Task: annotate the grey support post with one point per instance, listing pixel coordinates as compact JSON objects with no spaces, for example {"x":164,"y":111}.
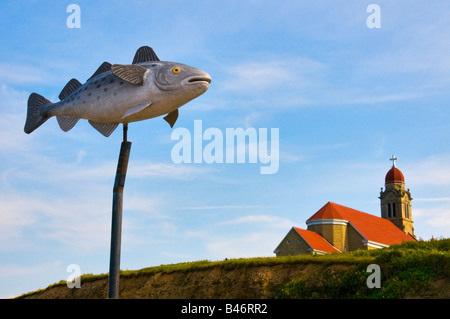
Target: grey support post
{"x":116,"y":224}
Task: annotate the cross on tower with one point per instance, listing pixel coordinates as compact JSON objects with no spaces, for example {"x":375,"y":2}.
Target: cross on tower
{"x":393,"y":159}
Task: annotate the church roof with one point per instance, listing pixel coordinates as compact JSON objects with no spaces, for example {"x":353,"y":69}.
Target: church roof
{"x":394,"y":176}
{"x":372,"y":228}
{"x":315,"y":241}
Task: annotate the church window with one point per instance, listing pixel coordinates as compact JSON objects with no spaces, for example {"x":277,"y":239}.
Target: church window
{"x":389,"y":210}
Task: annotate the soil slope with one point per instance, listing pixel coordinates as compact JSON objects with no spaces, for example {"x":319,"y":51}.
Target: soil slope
{"x":243,"y":282}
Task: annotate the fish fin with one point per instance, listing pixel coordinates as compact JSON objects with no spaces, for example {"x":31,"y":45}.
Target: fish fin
{"x":130,"y":73}
{"x":66,"y":123}
{"x":105,"y":67}
{"x":172,"y":117}
{"x":145,"y":54}
{"x":35,"y":117}
{"x":70,"y":87}
{"x":105,"y":128}
{"x":135,"y":109}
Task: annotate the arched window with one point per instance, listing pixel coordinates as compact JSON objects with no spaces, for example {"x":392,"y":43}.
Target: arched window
{"x":389,"y":210}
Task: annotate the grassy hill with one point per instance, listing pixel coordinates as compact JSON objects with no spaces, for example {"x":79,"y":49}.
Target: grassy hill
{"x":412,"y":270}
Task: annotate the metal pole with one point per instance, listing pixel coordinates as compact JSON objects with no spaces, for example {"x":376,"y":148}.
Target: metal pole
{"x":116,"y":224}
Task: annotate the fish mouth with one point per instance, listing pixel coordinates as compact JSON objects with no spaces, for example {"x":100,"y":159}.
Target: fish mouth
{"x":198,"y":79}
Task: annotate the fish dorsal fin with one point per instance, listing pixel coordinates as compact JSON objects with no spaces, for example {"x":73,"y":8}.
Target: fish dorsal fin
{"x":171,"y":118}
{"x":105,"y":67}
{"x":130,"y":73}
{"x":105,"y":128}
{"x":70,"y":87}
{"x":145,"y":54}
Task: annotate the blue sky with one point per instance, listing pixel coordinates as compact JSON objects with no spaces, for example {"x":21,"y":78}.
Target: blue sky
{"x":343,"y":96}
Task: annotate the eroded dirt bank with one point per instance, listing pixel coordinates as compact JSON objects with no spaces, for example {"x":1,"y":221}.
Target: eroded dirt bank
{"x":253,"y":282}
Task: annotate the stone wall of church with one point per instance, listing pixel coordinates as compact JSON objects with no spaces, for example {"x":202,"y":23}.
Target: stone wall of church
{"x":293,"y":244}
{"x":354,"y":239}
{"x":334,"y":234}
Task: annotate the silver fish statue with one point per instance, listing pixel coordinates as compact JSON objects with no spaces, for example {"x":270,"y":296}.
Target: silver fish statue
{"x":117,"y":93}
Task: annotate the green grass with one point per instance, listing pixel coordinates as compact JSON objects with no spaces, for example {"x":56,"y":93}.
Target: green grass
{"x":406,"y":268}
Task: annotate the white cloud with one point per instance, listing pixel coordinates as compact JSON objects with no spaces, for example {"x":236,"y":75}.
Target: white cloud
{"x":144,"y":169}
{"x":66,"y":202}
{"x":252,"y":244}
{"x":13,"y":105}
{"x":384,"y":97}
{"x":259,"y":237}
{"x":28,"y":276}
{"x":432,"y":199}
{"x":79,"y":222}
{"x":15,"y":270}
{"x":433,"y":170}
{"x":145,"y":205}
{"x":15,"y":214}
{"x":19,"y":74}
{"x":437,"y":217}
{"x":212,"y":207}
{"x":257,"y":76}
{"x":270,"y":221}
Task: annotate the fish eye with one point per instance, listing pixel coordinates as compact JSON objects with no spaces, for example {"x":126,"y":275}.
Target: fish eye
{"x":176,"y":70}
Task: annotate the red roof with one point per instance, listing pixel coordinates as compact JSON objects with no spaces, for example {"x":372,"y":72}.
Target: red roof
{"x":373,"y":228}
{"x":394,"y":176}
{"x":315,"y":241}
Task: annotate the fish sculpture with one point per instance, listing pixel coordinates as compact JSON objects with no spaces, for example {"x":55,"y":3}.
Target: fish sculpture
{"x":119,"y":93}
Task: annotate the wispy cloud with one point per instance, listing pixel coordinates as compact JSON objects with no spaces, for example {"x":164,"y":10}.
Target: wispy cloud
{"x":13,"y":113}
{"x":277,"y":74}
{"x":433,"y":170}
{"x":15,"y":216}
{"x":436,"y":217}
{"x":262,"y":234}
{"x":252,"y":244}
{"x":42,"y":273}
{"x":272,"y":221}
{"x":70,"y":202}
{"x":20,"y":74}
{"x":213,"y":207}
{"x":384,"y":97}
{"x":144,"y":169}
{"x":432,"y":199}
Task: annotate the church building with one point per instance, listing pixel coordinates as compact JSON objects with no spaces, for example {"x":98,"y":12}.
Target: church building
{"x":335,"y":228}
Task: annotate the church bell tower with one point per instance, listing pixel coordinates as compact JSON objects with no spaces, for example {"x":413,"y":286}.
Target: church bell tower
{"x":396,"y":200}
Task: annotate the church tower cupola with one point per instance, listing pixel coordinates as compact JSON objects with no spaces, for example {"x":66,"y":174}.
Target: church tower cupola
{"x":396,"y":200}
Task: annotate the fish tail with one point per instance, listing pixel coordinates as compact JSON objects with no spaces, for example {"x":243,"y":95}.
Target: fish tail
{"x":35,"y":115}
